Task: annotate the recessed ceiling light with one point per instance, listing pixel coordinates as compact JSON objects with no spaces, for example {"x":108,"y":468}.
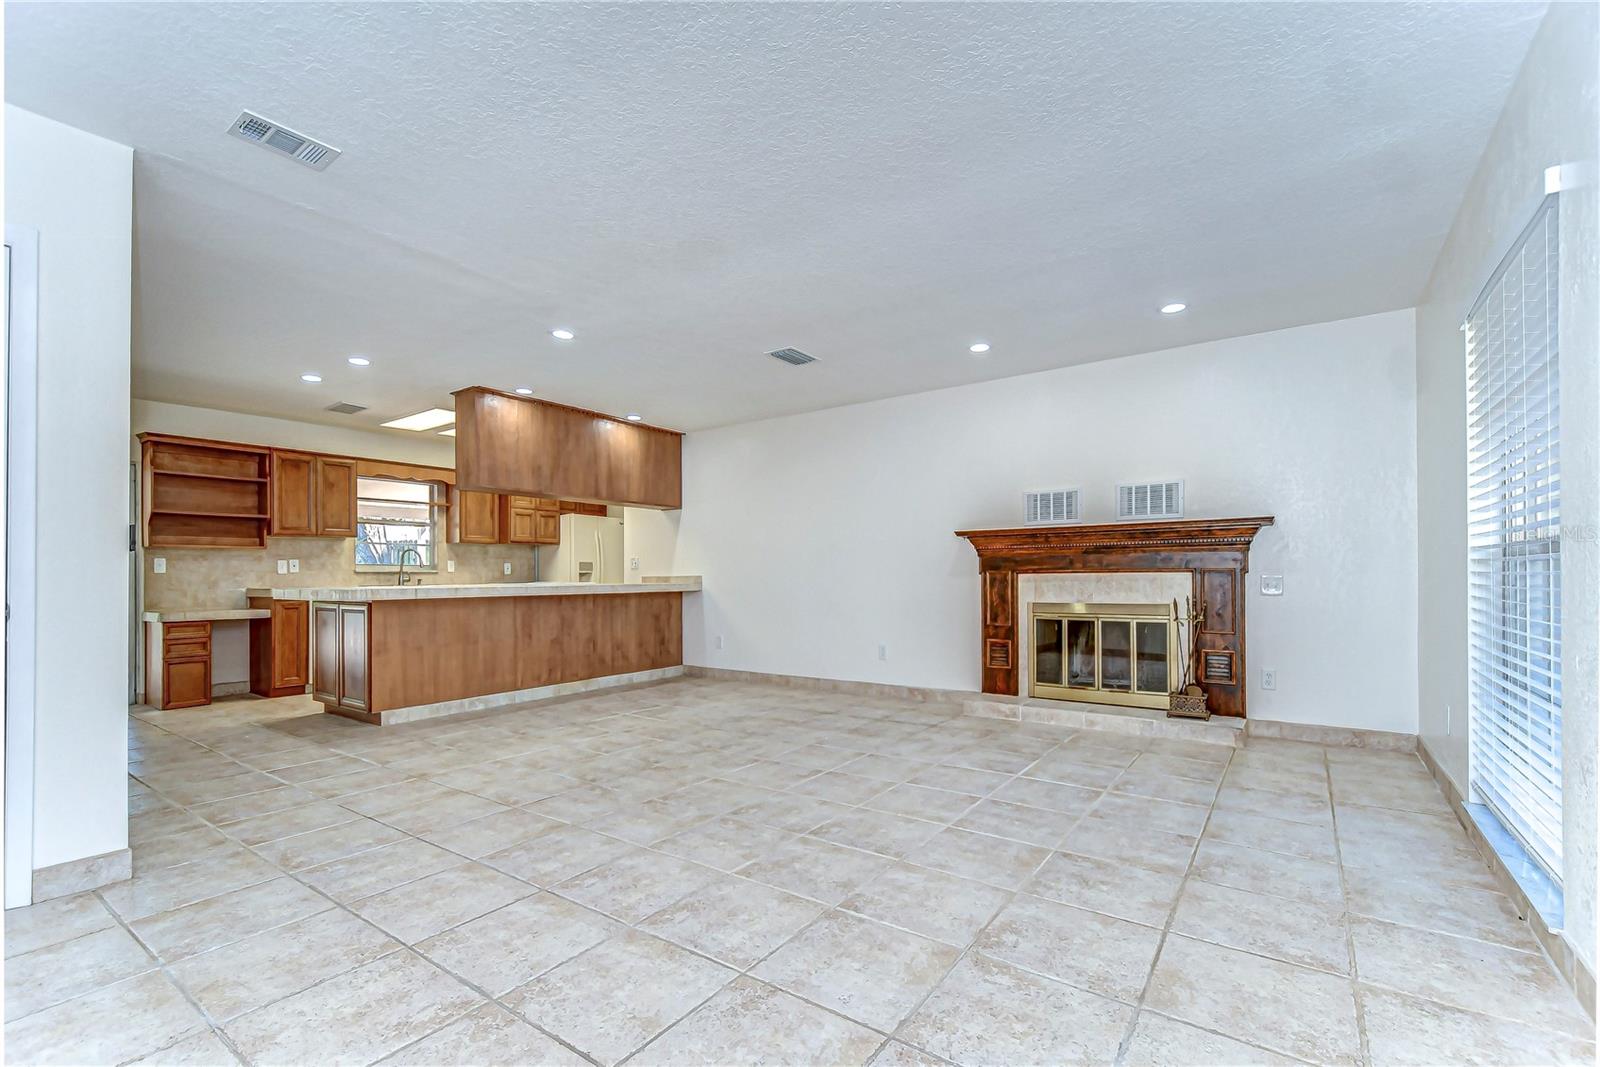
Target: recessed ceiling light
{"x":634,"y":416}
{"x":451,"y":432}
{"x":359,"y":361}
{"x":431,"y":419}
{"x":524,"y":391}
{"x":562,"y":335}
{"x":312,"y":378}
{"x":1172,"y":309}
{"x":980,"y":348}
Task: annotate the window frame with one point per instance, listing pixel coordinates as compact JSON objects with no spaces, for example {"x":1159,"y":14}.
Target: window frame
{"x":435,"y":496}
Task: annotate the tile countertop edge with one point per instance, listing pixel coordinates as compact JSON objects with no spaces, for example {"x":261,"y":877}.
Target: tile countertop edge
{"x":367,"y":593}
{"x":206,"y":615}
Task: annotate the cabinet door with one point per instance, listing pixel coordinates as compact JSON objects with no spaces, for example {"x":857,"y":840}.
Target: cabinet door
{"x":520,"y":526}
{"x":294,"y":495}
{"x":290,"y":656}
{"x":186,"y":683}
{"x":547,"y":527}
{"x":325,"y":683}
{"x":476,"y":518}
{"x":336,"y":497}
{"x":353,"y":656}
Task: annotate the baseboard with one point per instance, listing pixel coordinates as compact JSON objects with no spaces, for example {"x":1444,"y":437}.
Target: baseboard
{"x":1573,"y":970}
{"x":832,"y":685}
{"x":79,"y":876}
{"x":1337,"y":736}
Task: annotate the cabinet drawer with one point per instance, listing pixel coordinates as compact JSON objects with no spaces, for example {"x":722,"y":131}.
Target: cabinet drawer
{"x":187,"y":631}
{"x":176,"y":650}
{"x":526,"y":502}
{"x":544,"y":503}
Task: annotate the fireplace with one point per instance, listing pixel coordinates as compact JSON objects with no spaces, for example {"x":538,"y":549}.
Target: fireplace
{"x":1122,"y":654}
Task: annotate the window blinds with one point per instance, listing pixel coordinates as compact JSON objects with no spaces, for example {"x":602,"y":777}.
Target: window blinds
{"x":1514,"y":541}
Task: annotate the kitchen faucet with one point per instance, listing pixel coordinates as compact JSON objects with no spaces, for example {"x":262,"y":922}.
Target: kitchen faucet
{"x":401,"y":578}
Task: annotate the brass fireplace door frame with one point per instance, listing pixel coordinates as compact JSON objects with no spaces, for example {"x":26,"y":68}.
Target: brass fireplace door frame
{"x":1130,"y":613}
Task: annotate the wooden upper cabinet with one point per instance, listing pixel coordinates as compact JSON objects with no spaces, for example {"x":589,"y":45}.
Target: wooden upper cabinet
{"x":294,"y":494}
{"x":474,"y":518}
{"x":512,"y":444}
{"x":336,"y":497}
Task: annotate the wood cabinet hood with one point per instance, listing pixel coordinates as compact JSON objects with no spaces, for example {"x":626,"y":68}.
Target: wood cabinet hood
{"x":516,"y":444}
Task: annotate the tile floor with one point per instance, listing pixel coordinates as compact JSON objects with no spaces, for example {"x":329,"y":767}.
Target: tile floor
{"x":719,"y":873}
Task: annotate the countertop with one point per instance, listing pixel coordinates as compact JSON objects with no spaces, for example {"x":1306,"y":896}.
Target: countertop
{"x":368,"y":593}
{"x":207,"y":615}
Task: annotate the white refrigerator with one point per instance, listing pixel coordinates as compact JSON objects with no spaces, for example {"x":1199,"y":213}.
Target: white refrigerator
{"x":590,"y":550}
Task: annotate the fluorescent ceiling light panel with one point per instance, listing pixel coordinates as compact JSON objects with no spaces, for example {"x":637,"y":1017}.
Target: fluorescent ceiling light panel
{"x":431,"y":419}
{"x":451,"y":432}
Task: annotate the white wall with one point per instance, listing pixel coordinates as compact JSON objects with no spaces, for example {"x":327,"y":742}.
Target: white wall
{"x":1549,"y":118}
{"x":821,"y":536}
{"x":153,"y":416}
{"x":77,"y":191}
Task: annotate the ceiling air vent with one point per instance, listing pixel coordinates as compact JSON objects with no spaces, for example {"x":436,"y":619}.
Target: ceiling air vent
{"x":792,"y":356}
{"x":1150,"y":500}
{"x":1050,"y":506}
{"x":297,"y":146}
{"x":344,"y":407}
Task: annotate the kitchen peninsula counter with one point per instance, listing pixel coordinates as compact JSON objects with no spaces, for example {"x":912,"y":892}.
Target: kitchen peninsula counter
{"x":392,"y":654}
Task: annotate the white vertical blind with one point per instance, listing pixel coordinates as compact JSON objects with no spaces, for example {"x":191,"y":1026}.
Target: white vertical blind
{"x":1514,"y":541}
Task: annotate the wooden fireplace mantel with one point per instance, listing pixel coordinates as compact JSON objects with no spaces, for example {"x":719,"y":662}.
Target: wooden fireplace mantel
{"x":1215,"y":552}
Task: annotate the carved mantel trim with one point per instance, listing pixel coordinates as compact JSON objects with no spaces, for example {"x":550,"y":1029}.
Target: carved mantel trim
{"x":1215,"y":552}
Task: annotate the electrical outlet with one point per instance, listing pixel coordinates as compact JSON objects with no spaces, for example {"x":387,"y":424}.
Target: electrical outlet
{"x":508,"y":568}
{"x":283,"y":566}
{"x":1272,"y":585}
{"x":450,"y":565}
{"x":294,"y":566}
{"x":1269,"y":679}
{"x":159,"y":564}
{"x":633,"y":563}
{"x":883,"y":652}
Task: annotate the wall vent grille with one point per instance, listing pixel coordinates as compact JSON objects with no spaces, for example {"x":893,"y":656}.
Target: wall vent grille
{"x":286,"y":142}
{"x":1049,"y":506}
{"x":1150,"y":500}
{"x":792,"y":356}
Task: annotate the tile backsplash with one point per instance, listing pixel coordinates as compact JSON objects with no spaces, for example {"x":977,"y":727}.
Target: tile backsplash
{"x":198,"y":578}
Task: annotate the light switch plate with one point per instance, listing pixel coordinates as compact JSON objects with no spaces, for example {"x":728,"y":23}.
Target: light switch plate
{"x":159,"y":564}
{"x":633,"y":563}
{"x":508,"y":568}
{"x":294,"y":566}
{"x":283,"y":566}
{"x":450,"y":565}
{"x":1272,"y":585}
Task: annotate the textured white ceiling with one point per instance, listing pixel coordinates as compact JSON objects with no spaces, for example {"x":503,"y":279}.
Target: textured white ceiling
{"x":688,"y":186}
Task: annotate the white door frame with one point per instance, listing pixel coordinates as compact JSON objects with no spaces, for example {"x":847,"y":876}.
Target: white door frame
{"x":18,"y":507}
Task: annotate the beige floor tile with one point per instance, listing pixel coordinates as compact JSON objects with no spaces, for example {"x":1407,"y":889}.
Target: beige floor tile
{"x":557,"y":855}
{"x":1311,"y":935}
{"x":1148,"y":782}
{"x":1273,"y":835}
{"x":618,"y":995}
{"x":1309,"y":781}
{"x":1065,"y":767}
{"x":172,"y":887}
{"x":329,"y":843}
{"x":1483,"y":914}
{"x":995,"y":860}
{"x":840,"y":787}
{"x":260,"y":829}
{"x":1463,"y":973}
{"x":960,"y":779}
{"x":355,"y":783}
{"x":281,"y":798}
{"x":1150,"y":813}
{"x":923,"y":802}
{"x":209,"y":923}
{"x":1122,"y":842}
{"x":507,"y":783}
{"x":1161,"y":1042}
{"x":1290,"y":807}
{"x":489,"y":1034}
{"x":204,"y":1049}
{"x":113,"y":1024}
{"x":150,"y":825}
{"x":750,"y":1022}
{"x":1387,"y":788}
{"x":50,"y":975}
{"x":1411,"y":1031}
{"x":1272,"y":873}
{"x":790,"y":811}
{"x":635,"y":884}
{"x":328,"y":767}
{"x":479,"y":837}
{"x":1111,"y":888}
{"x":1020,"y":822}
{"x":201,"y":790}
{"x":54,"y":921}
{"x":928,"y":902}
{"x":506,"y":948}
{"x":439,"y":812}
{"x":1209,"y":770}
{"x":900,"y":1054}
{"x":872,"y":973}
{"x":277,"y":963}
{"x":816,"y":869}
{"x":185,"y":846}
{"x":378,"y":869}
{"x":877,"y":831}
{"x":431,"y":905}
{"x":1277,"y":1006}
{"x":1086,"y":949}
{"x":987,"y":1012}
{"x":885,"y":768}
{"x":724,"y":842}
{"x":732,"y":920}
{"x":376,"y":1009}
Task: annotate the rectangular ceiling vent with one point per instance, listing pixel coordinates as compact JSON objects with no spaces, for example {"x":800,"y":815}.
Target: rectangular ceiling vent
{"x":1150,"y":500}
{"x":792,"y":356}
{"x":344,"y":407}
{"x":1048,"y":506}
{"x":297,"y":146}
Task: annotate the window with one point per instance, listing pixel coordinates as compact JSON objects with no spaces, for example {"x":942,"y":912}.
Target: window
{"x":394,"y":517}
{"x":1514,"y":542}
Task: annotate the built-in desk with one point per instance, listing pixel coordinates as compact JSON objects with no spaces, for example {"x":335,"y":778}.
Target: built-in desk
{"x":177,"y":648}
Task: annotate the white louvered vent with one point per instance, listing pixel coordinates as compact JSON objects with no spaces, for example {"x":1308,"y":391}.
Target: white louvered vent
{"x":297,"y":146}
{"x":1050,"y":506}
{"x":1150,"y":500}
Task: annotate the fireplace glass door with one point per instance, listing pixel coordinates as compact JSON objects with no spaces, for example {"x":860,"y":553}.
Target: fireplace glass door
{"x":1104,"y":653}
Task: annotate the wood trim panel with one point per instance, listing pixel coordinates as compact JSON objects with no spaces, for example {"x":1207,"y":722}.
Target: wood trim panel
{"x":1214,"y":551}
{"x":280,"y":648}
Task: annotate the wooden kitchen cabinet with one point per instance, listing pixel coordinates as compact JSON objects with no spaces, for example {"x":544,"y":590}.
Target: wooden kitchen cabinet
{"x":518,"y":520}
{"x":341,"y":641}
{"x":294,"y":494}
{"x":203,"y":494}
{"x":185,"y":665}
{"x":547,"y":527}
{"x":474,"y":518}
{"x":280,"y":648}
{"x":336,"y":497}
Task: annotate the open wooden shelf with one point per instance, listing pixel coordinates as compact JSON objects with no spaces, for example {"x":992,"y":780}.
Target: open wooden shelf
{"x":207,"y":514}
{"x":209,"y":477}
{"x":204,"y":494}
